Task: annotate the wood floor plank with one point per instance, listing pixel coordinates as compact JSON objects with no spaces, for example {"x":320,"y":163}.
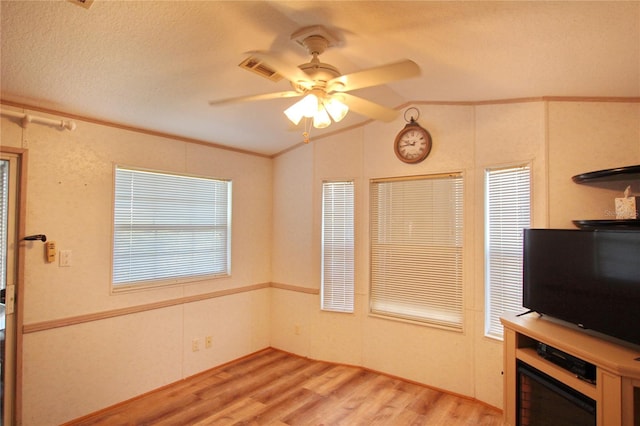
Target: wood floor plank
{"x":369,"y":400}
{"x":279,"y":410}
{"x":257,"y":363}
{"x":396,"y":404}
{"x":241,"y":410}
{"x":404,"y":417}
{"x":441,"y":411}
{"x":311,"y":412}
{"x":425,"y":401}
{"x":279,"y":389}
{"x":332,"y":380}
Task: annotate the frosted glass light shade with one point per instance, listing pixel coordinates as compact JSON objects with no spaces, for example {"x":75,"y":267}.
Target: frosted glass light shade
{"x":336,"y":109}
{"x":293,"y":114}
{"x":305,"y":107}
{"x":321,"y":119}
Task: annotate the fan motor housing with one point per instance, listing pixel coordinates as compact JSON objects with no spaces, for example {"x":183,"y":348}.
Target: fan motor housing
{"x":320,"y":71}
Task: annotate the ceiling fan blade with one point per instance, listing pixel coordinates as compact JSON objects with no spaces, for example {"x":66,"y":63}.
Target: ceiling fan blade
{"x":288,"y":71}
{"x":375,"y":76}
{"x":368,"y":108}
{"x":251,"y":98}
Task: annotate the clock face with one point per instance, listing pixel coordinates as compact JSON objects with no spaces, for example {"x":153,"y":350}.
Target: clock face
{"x":413,"y":144}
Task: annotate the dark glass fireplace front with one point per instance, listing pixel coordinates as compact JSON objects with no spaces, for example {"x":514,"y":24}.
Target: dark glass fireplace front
{"x":544,"y":401}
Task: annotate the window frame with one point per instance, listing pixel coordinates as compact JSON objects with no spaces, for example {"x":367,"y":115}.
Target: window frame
{"x":436,"y":278}
{"x":492,"y":326}
{"x":224,"y":191}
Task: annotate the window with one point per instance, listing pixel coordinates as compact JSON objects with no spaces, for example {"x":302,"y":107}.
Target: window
{"x":507,"y":212}
{"x":337,"y":247}
{"x":4,"y":217}
{"x":169,"y":228}
{"x":416,"y":249}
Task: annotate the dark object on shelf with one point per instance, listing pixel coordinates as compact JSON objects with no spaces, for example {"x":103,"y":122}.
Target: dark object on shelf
{"x":619,"y":173}
{"x":39,"y":237}
{"x":608,"y":224}
{"x":582,"y":369}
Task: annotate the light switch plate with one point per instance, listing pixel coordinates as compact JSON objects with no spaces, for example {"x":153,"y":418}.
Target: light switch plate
{"x":65,"y":258}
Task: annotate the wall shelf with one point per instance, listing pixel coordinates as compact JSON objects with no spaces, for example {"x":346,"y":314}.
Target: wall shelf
{"x":619,"y":173}
{"x":608,"y":224}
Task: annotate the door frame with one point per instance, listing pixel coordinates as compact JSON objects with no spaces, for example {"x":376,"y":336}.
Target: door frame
{"x":21,"y":202}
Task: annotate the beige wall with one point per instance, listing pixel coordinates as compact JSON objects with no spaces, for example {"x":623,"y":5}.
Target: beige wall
{"x":467,"y":139}
{"x":73,"y":370}
{"x":586,"y":136}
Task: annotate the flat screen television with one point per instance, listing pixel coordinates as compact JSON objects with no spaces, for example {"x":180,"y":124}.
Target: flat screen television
{"x":590,"y":278}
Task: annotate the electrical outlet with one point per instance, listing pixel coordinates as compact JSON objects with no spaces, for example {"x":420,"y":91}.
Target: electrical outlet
{"x":296,"y":329}
{"x":195,"y":345}
{"x":208,"y":342}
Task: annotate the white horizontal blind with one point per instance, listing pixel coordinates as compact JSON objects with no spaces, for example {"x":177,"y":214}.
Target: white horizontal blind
{"x":169,"y":227}
{"x":508,"y":212}
{"x":416,"y":249}
{"x":337,"y":246}
{"x":4,"y":210}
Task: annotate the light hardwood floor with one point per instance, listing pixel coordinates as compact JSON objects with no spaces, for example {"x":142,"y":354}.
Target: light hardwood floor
{"x":276,"y":388}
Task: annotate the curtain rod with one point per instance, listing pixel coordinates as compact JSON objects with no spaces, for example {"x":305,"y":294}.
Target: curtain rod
{"x":28,"y":118}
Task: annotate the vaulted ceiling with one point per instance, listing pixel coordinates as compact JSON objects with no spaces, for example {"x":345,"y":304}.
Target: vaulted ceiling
{"x":155,"y":65}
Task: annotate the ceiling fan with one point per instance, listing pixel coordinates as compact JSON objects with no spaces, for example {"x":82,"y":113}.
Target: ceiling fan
{"x":323,"y":89}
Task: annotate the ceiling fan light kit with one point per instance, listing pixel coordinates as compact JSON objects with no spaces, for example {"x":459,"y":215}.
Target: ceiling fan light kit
{"x":322,"y":87}
{"x":318,"y":106}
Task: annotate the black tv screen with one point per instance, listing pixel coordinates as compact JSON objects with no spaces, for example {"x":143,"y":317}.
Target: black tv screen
{"x":590,"y":278}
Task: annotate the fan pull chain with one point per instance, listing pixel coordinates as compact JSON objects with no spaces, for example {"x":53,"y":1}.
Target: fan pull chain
{"x":307,"y":129}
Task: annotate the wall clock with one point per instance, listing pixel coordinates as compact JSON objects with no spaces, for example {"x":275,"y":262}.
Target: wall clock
{"x":413,"y":142}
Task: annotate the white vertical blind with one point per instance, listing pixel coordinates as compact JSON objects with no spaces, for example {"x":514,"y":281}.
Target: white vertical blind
{"x":508,"y":212}
{"x":337,"y":246}
{"x":169,"y":227}
{"x":416,"y":249}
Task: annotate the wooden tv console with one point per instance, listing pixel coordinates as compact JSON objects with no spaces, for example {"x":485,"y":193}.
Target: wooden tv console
{"x":617,"y":387}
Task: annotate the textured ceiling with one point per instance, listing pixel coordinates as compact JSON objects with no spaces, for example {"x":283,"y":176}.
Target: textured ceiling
{"x":155,"y":64}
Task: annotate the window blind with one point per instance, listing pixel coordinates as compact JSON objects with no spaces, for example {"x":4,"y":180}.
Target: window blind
{"x":169,"y":227}
{"x":508,"y":212}
{"x":4,"y":210}
{"x":416,"y":249}
{"x":337,"y":246}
